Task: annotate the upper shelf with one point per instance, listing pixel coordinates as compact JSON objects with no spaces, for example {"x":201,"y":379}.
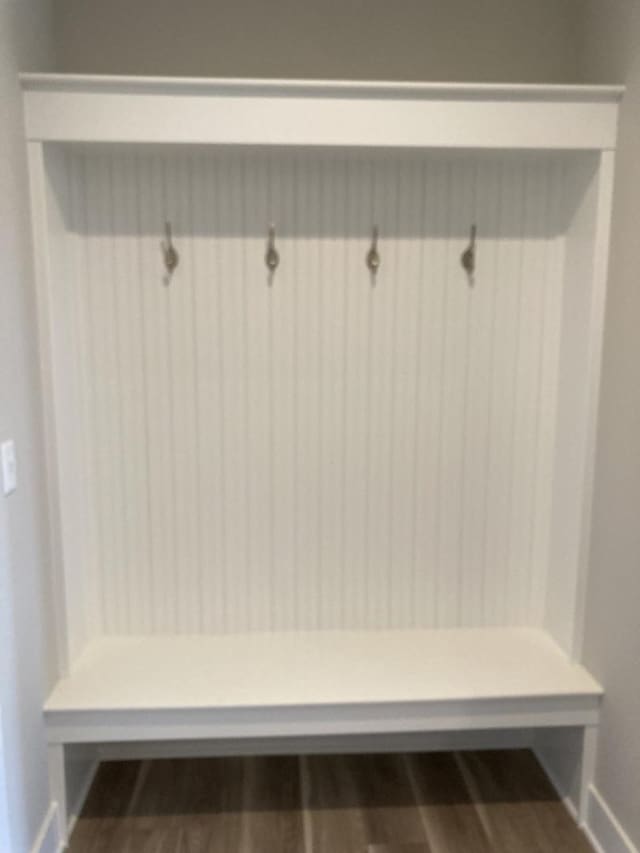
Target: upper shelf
{"x":71,"y":108}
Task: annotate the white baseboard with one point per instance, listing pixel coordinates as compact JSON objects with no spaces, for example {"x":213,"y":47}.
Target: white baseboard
{"x":48,"y":839}
{"x":603,"y":828}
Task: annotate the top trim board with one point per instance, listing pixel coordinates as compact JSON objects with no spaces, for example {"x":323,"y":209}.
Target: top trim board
{"x":72,"y":108}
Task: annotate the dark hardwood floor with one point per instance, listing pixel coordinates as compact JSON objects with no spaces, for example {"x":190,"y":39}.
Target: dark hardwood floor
{"x":472,"y":802}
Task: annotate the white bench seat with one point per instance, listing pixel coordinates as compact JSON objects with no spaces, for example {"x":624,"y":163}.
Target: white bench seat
{"x":310,"y":684}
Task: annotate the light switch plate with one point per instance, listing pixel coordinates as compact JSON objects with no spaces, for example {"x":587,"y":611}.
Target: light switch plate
{"x":9,"y":472}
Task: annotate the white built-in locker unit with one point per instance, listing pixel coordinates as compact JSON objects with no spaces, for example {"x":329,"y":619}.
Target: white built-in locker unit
{"x":333,"y":499}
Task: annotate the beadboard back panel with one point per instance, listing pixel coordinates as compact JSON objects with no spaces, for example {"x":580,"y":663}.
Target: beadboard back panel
{"x":320,"y":449}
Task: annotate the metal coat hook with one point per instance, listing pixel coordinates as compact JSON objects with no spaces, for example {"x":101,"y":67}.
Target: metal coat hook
{"x":373,"y":255}
{"x":272,"y":257}
{"x":170,"y":254}
{"x":468,"y":258}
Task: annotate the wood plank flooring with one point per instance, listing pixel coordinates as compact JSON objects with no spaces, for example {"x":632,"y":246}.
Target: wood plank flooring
{"x":472,"y":802}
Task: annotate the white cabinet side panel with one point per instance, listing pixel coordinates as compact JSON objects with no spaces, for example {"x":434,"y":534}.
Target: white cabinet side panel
{"x":587,"y":252}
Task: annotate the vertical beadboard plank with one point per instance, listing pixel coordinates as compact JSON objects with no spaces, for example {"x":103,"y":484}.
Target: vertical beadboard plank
{"x":252,"y":557}
{"x":451,"y":294}
{"x":338,"y":616}
{"x":115,"y":288}
{"x":548,"y":399}
{"x":465,"y":214}
{"x":537,"y":271}
{"x":307,"y":413}
{"x":319,"y":279}
{"x":170,"y":560}
{"x":207,"y":543}
{"x":234,"y":381}
{"x":296,"y":205}
{"x":94,"y":295}
{"x":454,"y":402}
{"x":137,"y":582}
{"x":270,"y":556}
{"x":152,"y":212}
{"x":490,"y":196}
{"x":282,"y":177}
{"x":503,"y":370}
{"x":193,"y":365}
{"x":99,"y":281}
{"x":216,"y":217}
{"x":432,"y":313}
{"x":185,"y":433}
{"x":382,"y":376}
{"x":369,"y":178}
{"x":418,"y":567}
{"x":357,"y":287}
{"x":527,"y":386}
{"x":257,"y":306}
{"x":404,"y":401}
{"x":390,"y":219}
{"x":216,"y":429}
{"x":143,"y":557}
{"x":129,"y":594}
{"x":482,"y":332}
{"x":334,"y":172}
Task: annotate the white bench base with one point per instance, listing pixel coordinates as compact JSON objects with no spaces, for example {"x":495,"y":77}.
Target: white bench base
{"x":318,"y":691}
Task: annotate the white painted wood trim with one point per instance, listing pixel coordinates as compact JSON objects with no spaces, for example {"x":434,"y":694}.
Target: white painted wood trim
{"x":318,"y":113}
{"x":603,"y":828}
{"x":601,"y":246}
{"x":335,"y":88}
{"x":42,"y":270}
{"x":327,"y":745}
{"x":323,"y":683}
{"x":58,"y":787}
{"x":587,"y":770}
{"x":165,"y":724}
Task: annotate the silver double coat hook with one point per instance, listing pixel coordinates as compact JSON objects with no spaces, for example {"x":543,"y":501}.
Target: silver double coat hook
{"x":272,"y":256}
{"x":373,"y":255}
{"x":468,"y":257}
{"x":169,"y":252}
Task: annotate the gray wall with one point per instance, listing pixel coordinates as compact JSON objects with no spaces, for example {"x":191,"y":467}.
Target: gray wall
{"x":520,"y":40}
{"x":612,"y":648}
{"x":25,"y":42}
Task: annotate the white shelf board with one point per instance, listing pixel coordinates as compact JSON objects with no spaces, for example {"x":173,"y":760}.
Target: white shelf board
{"x":319,"y":683}
{"x":73,"y":108}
